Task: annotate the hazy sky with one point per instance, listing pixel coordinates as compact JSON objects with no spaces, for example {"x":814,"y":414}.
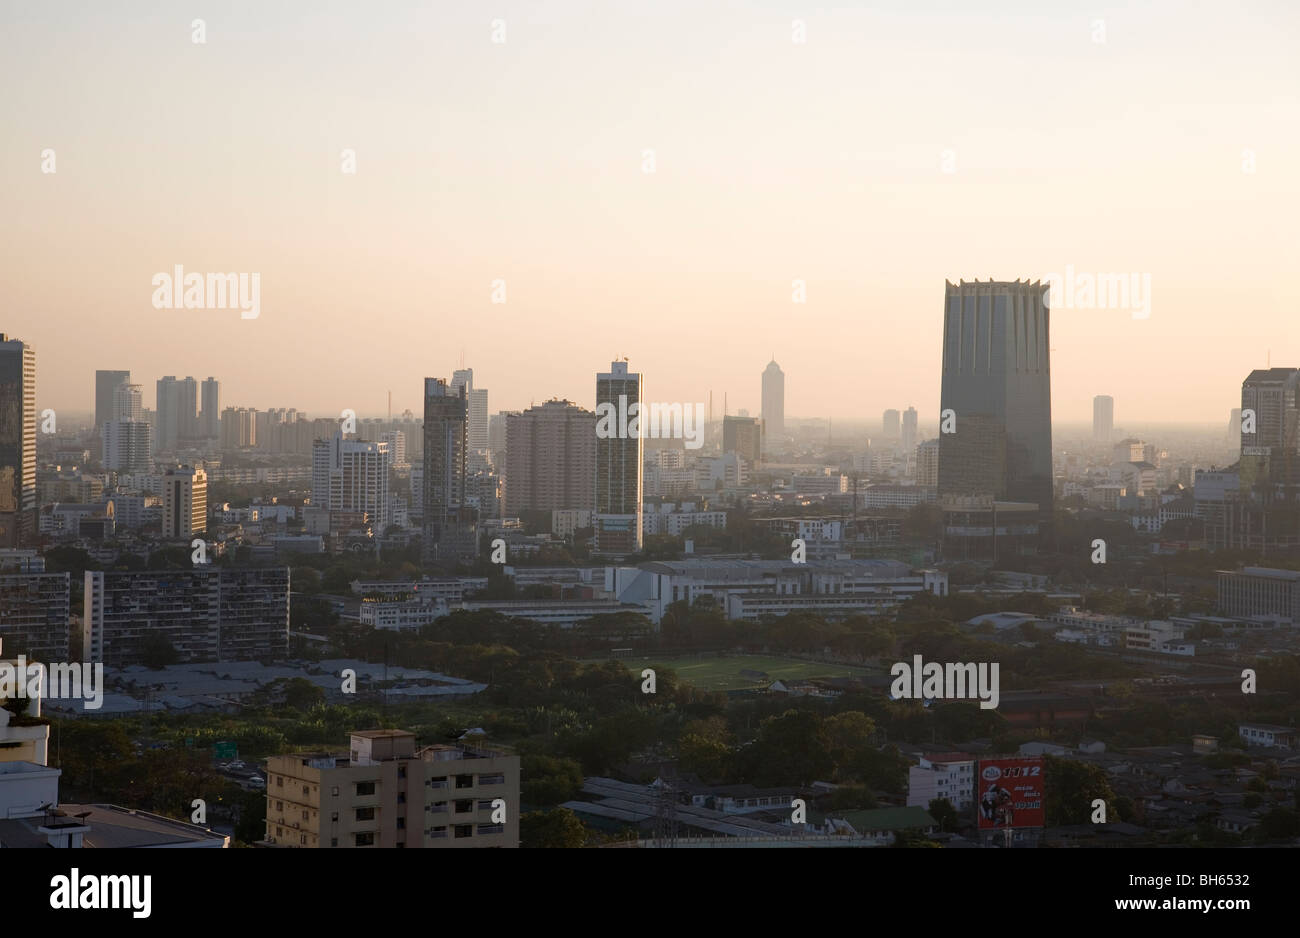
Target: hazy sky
{"x":523,"y":161}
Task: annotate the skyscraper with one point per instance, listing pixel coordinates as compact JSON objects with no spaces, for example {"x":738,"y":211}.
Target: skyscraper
{"x":997,"y":383}
{"x":185,"y":502}
{"x":128,"y":403}
{"x":478,"y":419}
{"x":177,"y":406}
{"x":1271,"y":394}
{"x":550,"y":459}
{"x":105,"y":383}
{"x":773,"y":407}
{"x":1103,"y":418}
{"x":618,"y":463}
{"x":890,"y":422}
{"x":128,"y":446}
{"x":352,"y":476}
{"x":909,"y":430}
{"x":210,"y":415}
{"x":742,"y":435}
{"x":449,"y":532}
{"x":17,"y":442}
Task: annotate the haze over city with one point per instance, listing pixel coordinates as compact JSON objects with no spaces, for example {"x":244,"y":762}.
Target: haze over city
{"x":853,"y":162}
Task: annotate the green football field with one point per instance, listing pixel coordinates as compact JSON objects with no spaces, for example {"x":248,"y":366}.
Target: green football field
{"x":721,"y":674}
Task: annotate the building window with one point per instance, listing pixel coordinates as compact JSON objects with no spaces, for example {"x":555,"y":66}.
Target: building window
{"x":401,"y":797}
{"x":438,"y":832}
{"x":334,"y":816}
{"x":438,"y":807}
{"x":279,"y":781}
{"x":365,"y":788}
{"x":464,"y":830}
{"x":302,"y":838}
{"x":464,"y":781}
{"x":335,"y":791}
{"x":401,"y":771}
{"x":438,"y":782}
{"x":401,"y":823}
{"x":365,"y":814}
{"x":306,"y":792}
{"x":366,"y":839}
{"x":491,"y":829}
{"x":465,"y":805}
{"x":498,"y":779}
{"x":334,"y":841}
{"x":304,"y":815}
{"x":279,"y":806}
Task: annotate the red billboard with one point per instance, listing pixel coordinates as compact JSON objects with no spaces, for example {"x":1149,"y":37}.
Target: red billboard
{"x":1009,"y":793}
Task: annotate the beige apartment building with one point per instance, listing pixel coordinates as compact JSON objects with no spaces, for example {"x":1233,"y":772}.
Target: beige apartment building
{"x":386,"y":792}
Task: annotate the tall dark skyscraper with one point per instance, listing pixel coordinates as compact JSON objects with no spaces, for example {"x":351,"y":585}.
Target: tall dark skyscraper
{"x":618,"y":463}
{"x":448,"y":528}
{"x":106,"y":382}
{"x":17,"y":442}
{"x":997,"y":383}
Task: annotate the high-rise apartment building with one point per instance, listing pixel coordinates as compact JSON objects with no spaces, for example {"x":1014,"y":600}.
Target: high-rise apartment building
{"x":387,"y":792}
{"x":997,"y":384}
{"x":909,"y":430}
{"x":177,"y":406}
{"x":617,"y":518}
{"x":927,"y":464}
{"x":105,"y":384}
{"x":352,"y":476}
{"x":34,"y":611}
{"x":477,"y":430}
{"x":743,"y":436}
{"x":210,"y":410}
{"x":449,"y":530}
{"x":185,"y":502}
{"x":773,"y":407}
{"x":891,"y":425}
{"x":17,"y":442}
{"x":128,"y":446}
{"x":1103,"y":418}
{"x":128,"y":403}
{"x":396,"y":440}
{"x":206,"y":613}
{"x":551,"y":459}
{"x":238,"y":428}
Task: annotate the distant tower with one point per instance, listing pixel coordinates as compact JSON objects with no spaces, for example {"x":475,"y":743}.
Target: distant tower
{"x":909,"y":430}
{"x":773,"y":430}
{"x":1103,"y":418}
{"x":448,"y":524}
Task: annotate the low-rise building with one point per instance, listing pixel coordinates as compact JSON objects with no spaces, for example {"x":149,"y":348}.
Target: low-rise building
{"x":387,"y":792}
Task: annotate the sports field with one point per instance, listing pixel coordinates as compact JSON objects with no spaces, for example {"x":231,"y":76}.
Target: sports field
{"x":722,"y":674}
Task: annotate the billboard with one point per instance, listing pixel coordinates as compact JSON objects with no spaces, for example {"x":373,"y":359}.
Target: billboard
{"x":1009,"y":793}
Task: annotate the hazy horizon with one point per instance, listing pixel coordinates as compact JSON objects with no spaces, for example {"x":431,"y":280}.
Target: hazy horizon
{"x":522,"y":161}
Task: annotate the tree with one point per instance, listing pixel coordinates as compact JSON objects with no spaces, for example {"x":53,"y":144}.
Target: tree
{"x":791,"y":749}
{"x":157,"y":652}
{"x":1071,"y":787}
{"x":848,"y":736}
{"x":941,"y":810}
{"x":557,"y":828}
{"x":699,"y":755}
{"x":1280,"y":824}
{"x":549,"y":780}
